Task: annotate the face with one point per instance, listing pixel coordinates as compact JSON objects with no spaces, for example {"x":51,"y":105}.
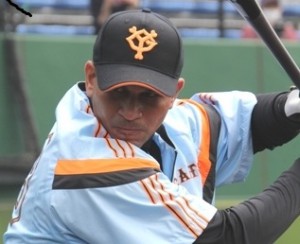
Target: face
{"x":273,"y":13}
{"x":130,"y":113}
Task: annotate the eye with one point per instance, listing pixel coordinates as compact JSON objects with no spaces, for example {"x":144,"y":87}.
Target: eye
{"x":119,"y":92}
{"x":150,"y":94}
{"x":150,"y":98}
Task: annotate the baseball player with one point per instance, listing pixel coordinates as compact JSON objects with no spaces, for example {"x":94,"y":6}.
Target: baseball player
{"x":128,"y":162}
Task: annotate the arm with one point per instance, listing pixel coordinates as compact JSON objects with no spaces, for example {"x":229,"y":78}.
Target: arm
{"x":261,"y":219}
{"x":275,"y":119}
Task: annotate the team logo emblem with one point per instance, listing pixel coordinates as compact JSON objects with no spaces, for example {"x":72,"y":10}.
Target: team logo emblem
{"x":141,"y":41}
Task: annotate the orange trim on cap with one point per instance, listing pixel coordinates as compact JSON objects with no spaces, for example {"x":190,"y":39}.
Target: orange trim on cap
{"x":93,"y":166}
{"x":136,"y":83}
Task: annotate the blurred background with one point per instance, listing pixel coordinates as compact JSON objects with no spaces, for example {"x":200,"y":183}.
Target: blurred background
{"x":42,"y":56}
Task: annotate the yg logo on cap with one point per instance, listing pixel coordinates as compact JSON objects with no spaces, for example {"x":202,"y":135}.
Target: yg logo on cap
{"x":141,"y":41}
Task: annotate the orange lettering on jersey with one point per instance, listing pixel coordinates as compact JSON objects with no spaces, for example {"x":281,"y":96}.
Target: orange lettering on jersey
{"x":141,"y":41}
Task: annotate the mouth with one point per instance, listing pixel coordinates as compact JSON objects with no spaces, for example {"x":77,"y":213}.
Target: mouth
{"x":126,"y":131}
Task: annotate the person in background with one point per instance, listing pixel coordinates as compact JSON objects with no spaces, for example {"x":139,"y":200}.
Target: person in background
{"x":101,"y":9}
{"x":274,"y":13}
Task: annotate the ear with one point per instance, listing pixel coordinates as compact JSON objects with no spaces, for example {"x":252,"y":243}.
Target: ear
{"x":90,"y":78}
{"x":180,"y":85}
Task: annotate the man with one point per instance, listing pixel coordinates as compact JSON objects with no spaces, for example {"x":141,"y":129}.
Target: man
{"x":101,"y":9}
{"x":128,"y":162}
{"x":273,"y":10}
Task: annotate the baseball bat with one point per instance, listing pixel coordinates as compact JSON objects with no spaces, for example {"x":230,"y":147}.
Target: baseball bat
{"x":252,"y":12}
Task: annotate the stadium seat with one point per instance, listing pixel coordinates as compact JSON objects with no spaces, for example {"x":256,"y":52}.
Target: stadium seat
{"x":202,"y":33}
{"x":200,"y":7}
{"x":292,"y":10}
{"x":55,"y":29}
{"x":199,"y":33}
{"x":232,"y":33}
{"x":197,"y":8}
{"x":63,"y":4}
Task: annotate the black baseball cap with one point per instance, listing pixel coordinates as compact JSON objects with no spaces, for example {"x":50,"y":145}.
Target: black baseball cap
{"x":138,"y":47}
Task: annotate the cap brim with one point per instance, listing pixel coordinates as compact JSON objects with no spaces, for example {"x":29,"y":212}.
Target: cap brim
{"x":111,"y":76}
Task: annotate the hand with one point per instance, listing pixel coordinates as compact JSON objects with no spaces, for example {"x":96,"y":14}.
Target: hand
{"x":292,"y":104}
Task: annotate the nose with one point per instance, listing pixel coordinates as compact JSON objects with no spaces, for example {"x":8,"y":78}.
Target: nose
{"x":130,"y":109}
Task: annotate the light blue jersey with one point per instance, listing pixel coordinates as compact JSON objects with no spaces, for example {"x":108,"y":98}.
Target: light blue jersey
{"x":87,"y":187}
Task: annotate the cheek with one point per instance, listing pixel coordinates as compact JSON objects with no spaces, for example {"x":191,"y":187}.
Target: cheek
{"x":103,"y":109}
{"x":156,"y":114}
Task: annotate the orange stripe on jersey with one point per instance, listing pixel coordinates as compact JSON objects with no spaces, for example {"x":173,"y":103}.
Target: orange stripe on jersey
{"x":146,"y":189}
{"x":184,"y":204}
{"x":154,"y":195}
{"x":187,"y":216}
{"x":131,"y":148}
{"x":180,"y":102}
{"x":88,"y":109}
{"x":204,"y":163}
{"x":92,"y":166}
{"x":98,"y":129}
{"x":122,"y":148}
{"x":111,"y":147}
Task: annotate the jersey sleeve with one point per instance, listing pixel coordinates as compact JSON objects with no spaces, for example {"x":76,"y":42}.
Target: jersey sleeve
{"x":148,"y":210}
{"x":234,"y":149}
{"x":256,"y":219}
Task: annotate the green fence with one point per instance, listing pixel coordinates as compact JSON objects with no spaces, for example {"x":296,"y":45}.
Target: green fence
{"x":52,"y":64}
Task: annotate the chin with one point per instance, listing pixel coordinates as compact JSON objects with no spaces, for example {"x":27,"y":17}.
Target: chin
{"x":133,"y":141}
{"x":137,"y":140}
{"x":136,"y":143}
